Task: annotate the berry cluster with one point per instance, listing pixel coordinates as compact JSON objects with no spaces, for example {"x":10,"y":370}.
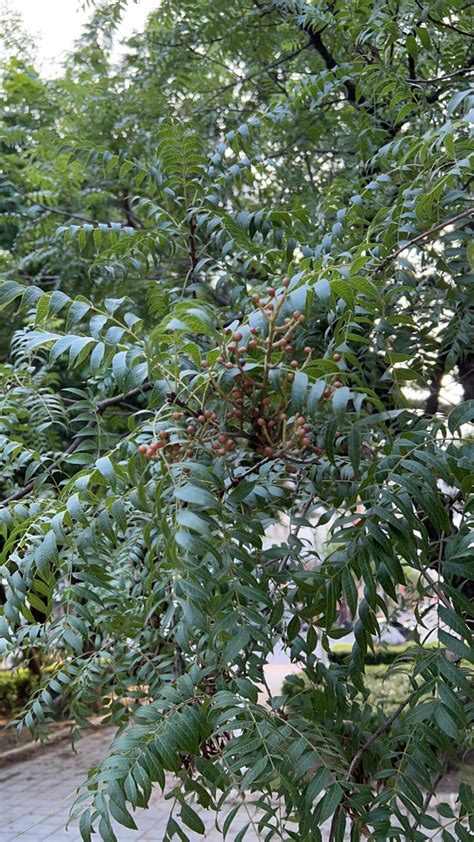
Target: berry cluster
{"x":251,"y":409}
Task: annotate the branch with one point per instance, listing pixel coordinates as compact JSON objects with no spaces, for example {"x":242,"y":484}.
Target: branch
{"x":58,"y":211}
{"x":77,"y":440}
{"x":432,"y":402}
{"x":358,"y":757}
{"x":421,"y":237}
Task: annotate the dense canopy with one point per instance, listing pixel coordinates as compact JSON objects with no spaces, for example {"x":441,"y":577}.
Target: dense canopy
{"x":237,"y":268}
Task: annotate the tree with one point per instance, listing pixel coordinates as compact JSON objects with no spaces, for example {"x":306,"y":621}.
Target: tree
{"x":238,"y":267}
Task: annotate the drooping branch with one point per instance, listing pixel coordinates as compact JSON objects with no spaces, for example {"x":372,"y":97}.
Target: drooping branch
{"x":77,"y":440}
{"x":425,"y":235}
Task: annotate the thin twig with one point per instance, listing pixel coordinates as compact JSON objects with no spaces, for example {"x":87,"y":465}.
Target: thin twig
{"x":77,"y":440}
{"x":421,"y":237}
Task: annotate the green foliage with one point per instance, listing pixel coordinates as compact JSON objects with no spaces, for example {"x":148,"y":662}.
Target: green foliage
{"x":237,"y":273}
{"x":16,"y":687}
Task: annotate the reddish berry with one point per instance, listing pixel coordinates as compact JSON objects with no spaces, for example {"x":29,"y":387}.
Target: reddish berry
{"x":237,"y":336}
{"x":232,"y":347}
{"x":337,"y":384}
{"x":208,"y":413}
{"x":327,"y":393}
{"x":301,"y":319}
{"x":291,"y":377}
{"x":296,"y":314}
{"x":271,"y":292}
{"x":255,"y":298}
{"x":164,"y":434}
{"x":149,"y":452}
{"x":305,"y":441}
{"x":294,"y":363}
{"x":237,"y":412}
{"x":253,"y":344}
{"x":253,"y":330}
{"x":191,"y":430}
{"x":265,"y":401}
{"x":300,"y":420}
{"x":202,"y":419}
{"x":222,"y":438}
{"x":289,"y":349}
{"x":229,"y":365}
{"x":285,"y":282}
{"x":220,"y":360}
{"x":308,"y":350}
{"x":271,"y":424}
{"x":177,"y":415}
{"x":221,"y":451}
{"x":189,"y":452}
{"x":243,"y":349}
{"x":204,"y":364}
{"x":336,"y":357}
{"x":261,"y":422}
{"x":283,"y":416}
{"x":143,"y":448}
{"x":268,"y":451}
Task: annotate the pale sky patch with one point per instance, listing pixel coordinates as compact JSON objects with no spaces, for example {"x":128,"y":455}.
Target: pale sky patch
{"x":56,"y":24}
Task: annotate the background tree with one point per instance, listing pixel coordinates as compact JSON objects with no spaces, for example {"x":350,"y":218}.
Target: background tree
{"x":243,"y":256}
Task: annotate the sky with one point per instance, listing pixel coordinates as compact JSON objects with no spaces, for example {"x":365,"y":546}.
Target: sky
{"x":56,"y":24}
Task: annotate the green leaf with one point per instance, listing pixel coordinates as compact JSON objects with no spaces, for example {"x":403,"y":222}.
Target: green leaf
{"x":192,"y":819}
{"x":196,"y":495}
{"x":461,"y":414}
